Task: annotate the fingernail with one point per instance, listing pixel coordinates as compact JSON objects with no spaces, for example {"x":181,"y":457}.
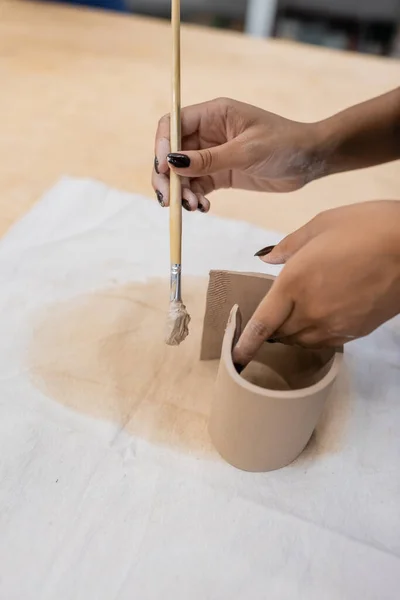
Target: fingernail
{"x":180,"y":161}
{"x":156,"y":163}
{"x":201,"y":208}
{"x":265,"y":251}
{"x":186,"y":205}
{"x":239,"y":368}
{"x":160,"y":198}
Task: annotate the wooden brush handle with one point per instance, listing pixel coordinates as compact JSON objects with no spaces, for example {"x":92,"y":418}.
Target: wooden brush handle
{"x":175,"y":181}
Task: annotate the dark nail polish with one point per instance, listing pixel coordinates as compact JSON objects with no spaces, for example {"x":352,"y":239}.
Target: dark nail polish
{"x":156,"y":163}
{"x":239,"y":368}
{"x":265,"y":251}
{"x":201,"y":208}
{"x":186,"y":205}
{"x":160,"y":198}
{"x":180,"y":161}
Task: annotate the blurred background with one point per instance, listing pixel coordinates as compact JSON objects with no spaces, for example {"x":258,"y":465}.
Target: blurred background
{"x":369,"y":26}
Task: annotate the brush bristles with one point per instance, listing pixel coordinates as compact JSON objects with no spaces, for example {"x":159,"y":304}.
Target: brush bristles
{"x":177,"y":324}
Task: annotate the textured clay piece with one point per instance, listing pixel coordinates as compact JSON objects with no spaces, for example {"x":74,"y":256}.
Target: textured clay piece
{"x":263,"y":419}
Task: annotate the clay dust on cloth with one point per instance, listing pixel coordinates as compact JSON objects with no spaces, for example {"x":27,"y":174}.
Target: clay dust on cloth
{"x":110,"y":488}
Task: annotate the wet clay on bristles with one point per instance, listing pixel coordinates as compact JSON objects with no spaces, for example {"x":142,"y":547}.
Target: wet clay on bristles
{"x":178,"y":321}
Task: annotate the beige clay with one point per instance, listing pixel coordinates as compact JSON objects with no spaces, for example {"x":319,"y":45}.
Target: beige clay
{"x":178,"y":320}
{"x":263,"y":419}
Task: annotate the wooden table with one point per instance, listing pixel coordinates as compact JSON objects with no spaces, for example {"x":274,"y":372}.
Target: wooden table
{"x":81,"y":93}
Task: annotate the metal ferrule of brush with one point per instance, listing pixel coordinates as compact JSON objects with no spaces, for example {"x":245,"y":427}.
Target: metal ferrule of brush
{"x":176,"y":290}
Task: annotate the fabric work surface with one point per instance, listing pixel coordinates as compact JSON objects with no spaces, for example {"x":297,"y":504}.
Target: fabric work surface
{"x":110,"y":488}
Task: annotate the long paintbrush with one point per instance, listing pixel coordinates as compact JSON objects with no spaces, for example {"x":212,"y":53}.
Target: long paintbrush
{"x":178,"y":317}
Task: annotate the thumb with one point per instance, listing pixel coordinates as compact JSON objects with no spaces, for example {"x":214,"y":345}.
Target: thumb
{"x":198,"y":163}
{"x":270,"y":316}
{"x":280,"y":254}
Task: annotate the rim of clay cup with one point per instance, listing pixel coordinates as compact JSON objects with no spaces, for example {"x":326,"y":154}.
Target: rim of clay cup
{"x":300,"y":393}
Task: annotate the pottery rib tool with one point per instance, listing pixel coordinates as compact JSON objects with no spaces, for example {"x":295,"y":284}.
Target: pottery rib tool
{"x":178,"y":317}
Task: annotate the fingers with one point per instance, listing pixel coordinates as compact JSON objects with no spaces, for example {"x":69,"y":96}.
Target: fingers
{"x":193,"y":191}
{"x":199,"y":163}
{"x":313,"y":338}
{"x":291,"y":244}
{"x":203,"y":204}
{"x":192,"y":199}
{"x":203,"y":185}
{"x":163,"y":148}
{"x":192,"y":118}
{"x":190,"y":123}
{"x":270,"y":316}
{"x":160,"y":185}
{"x":160,"y":175}
{"x":280,"y":254}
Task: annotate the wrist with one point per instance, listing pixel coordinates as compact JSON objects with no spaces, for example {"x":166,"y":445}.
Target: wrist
{"x":319,"y":147}
{"x":325,"y":152}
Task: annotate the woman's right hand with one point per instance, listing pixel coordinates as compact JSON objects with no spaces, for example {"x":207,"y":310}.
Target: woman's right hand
{"x":228,"y":144}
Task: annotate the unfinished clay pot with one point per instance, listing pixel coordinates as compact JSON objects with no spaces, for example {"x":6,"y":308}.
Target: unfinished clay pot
{"x":263,"y":419}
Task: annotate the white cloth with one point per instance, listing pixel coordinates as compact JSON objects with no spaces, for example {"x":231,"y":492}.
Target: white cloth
{"x":89,"y":511}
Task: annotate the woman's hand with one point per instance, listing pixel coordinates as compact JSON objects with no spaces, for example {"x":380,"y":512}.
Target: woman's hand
{"x":230,"y":144}
{"x":340,"y":282}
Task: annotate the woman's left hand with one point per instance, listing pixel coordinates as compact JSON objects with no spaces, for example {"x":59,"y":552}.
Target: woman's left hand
{"x":341,"y":280}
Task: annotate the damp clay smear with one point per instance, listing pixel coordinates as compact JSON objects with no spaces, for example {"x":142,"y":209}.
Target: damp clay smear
{"x":103,"y":354}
